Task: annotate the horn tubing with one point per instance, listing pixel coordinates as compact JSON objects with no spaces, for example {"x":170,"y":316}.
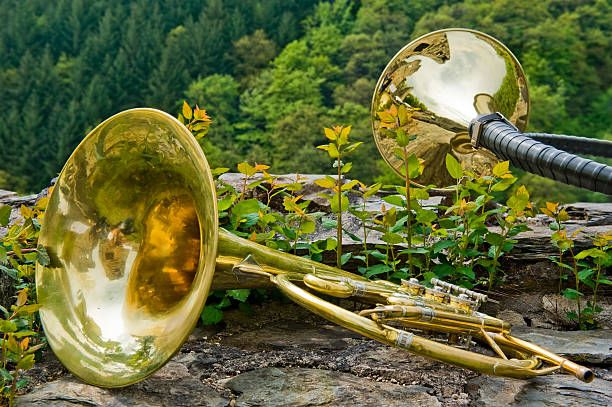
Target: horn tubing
{"x":520,"y":369}
{"x":530,"y":155}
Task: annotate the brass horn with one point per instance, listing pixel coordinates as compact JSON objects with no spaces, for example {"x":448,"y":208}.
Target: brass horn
{"x":132,"y":232}
{"x":469,"y":98}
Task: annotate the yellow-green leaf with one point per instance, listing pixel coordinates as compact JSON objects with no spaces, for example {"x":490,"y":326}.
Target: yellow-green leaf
{"x":343,"y":138}
{"x":501,"y":168}
{"x":187,"y":112}
{"x":330,"y":134}
{"x":453,"y":167}
{"x":333,"y":151}
{"x":325,"y":183}
{"x":246,"y":169}
{"x":372,"y":190}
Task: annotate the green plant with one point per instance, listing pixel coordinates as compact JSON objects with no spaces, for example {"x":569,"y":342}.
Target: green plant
{"x":17,"y":352}
{"x":583,"y":271}
{"x":195,"y":119}
{"x":19,"y":327}
{"x":337,"y":149}
{"x":395,"y":123}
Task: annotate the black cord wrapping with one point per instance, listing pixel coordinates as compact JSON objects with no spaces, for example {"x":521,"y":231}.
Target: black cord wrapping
{"x":576,"y":145}
{"x":531,"y":155}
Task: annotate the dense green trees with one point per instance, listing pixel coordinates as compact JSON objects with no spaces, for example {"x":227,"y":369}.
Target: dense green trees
{"x":271,"y":73}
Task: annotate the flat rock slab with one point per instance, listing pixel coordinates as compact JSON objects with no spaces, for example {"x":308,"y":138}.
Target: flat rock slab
{"x":313,"y":387}
{"x":557,"y":390}
{"x":170,"y":386}
{"x":7,"y":194}
{"x":276,"y":337}
{"x":593,"y":347}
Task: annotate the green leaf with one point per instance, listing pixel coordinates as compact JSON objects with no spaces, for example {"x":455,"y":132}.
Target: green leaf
{"x":592,"y":252}
{"x":187,"y":112}
{"x":330,"y":134}
{"x":571,"y":293}
{"x":443,"y":244}
{"x":42,"y":256}
{"x":372,"y":190}
{"x":331,"y":244}
{"x":246,"y":169}
{"x":395,"y":200}
{"x":345,"y":257}
{"x":5,"y":215}
{"x":22,"y":383}
{"x":349,"y":185}
{"x":6,"y":376}
{"x":585,"y":274}
{"x":3,"y":258}
{"x":414,"y":167}
{"x":453,"y":167}
{"x":419,"y":193}
{"x":333,"y":151}
{"x":352,"y":235}
{"x":604,"y":281}
{"x":329,"y":223}
{"x":442,"y":270}
{"x":467,"y":271}
{"x":346,"y":168}
{"x":501,"y":168}
{"x":344,"y":203}
{"x":218,"y":171}
{"x":401,"y":137}
{"x":494,"y":239}
{"x":246,"y":308}
{"x":245,"y":207}
{"x":307,"y":227}
{"x":225,"y":203}
{"x":26,"y":362}
{"x":428,"y":275}
{"x":326,"y":182}
{"x":377,"y":269}
{"x":426,"y":216}
{"x":240,"y":294}
{"x":392,"y":238}
{"x":7,"y":326}
{"x":504,"y":184}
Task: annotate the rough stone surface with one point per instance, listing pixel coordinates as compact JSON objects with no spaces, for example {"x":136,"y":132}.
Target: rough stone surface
{"x":170,"y":386}
{"x":285,"y":354}
{"x":594,"y":347}
{"x":7,"y":194}
{"x":545,"y":391}
{"x":312,"y":387}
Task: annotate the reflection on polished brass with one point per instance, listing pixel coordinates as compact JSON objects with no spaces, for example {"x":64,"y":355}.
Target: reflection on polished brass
{"x":132,"y":233}
{"x":447,"y":78}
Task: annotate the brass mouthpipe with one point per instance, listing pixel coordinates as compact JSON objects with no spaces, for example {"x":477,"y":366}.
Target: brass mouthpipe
{"x":582,"y":373}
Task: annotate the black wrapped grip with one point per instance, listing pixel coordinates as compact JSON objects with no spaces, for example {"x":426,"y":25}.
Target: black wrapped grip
{"x":531,"y":155}
{"x":576,"y":145}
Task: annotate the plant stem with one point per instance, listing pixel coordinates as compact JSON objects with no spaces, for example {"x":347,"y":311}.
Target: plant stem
{"x":575,"y":270}
{"x":596,"y":285}
{"x":365,"y":237}
{"x":10,"y":253}
{"x":409,"y":222}
{"x":339,"y":223}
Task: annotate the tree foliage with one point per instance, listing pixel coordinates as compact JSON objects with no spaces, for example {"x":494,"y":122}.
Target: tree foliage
{"x":270,"y":72}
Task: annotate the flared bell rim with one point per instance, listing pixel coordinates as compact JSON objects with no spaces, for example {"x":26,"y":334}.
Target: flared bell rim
{"x":486,"y":159}
{"x":186,"y":310}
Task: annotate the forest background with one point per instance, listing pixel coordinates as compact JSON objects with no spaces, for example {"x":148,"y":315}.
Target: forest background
{"x":273,"y":73}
